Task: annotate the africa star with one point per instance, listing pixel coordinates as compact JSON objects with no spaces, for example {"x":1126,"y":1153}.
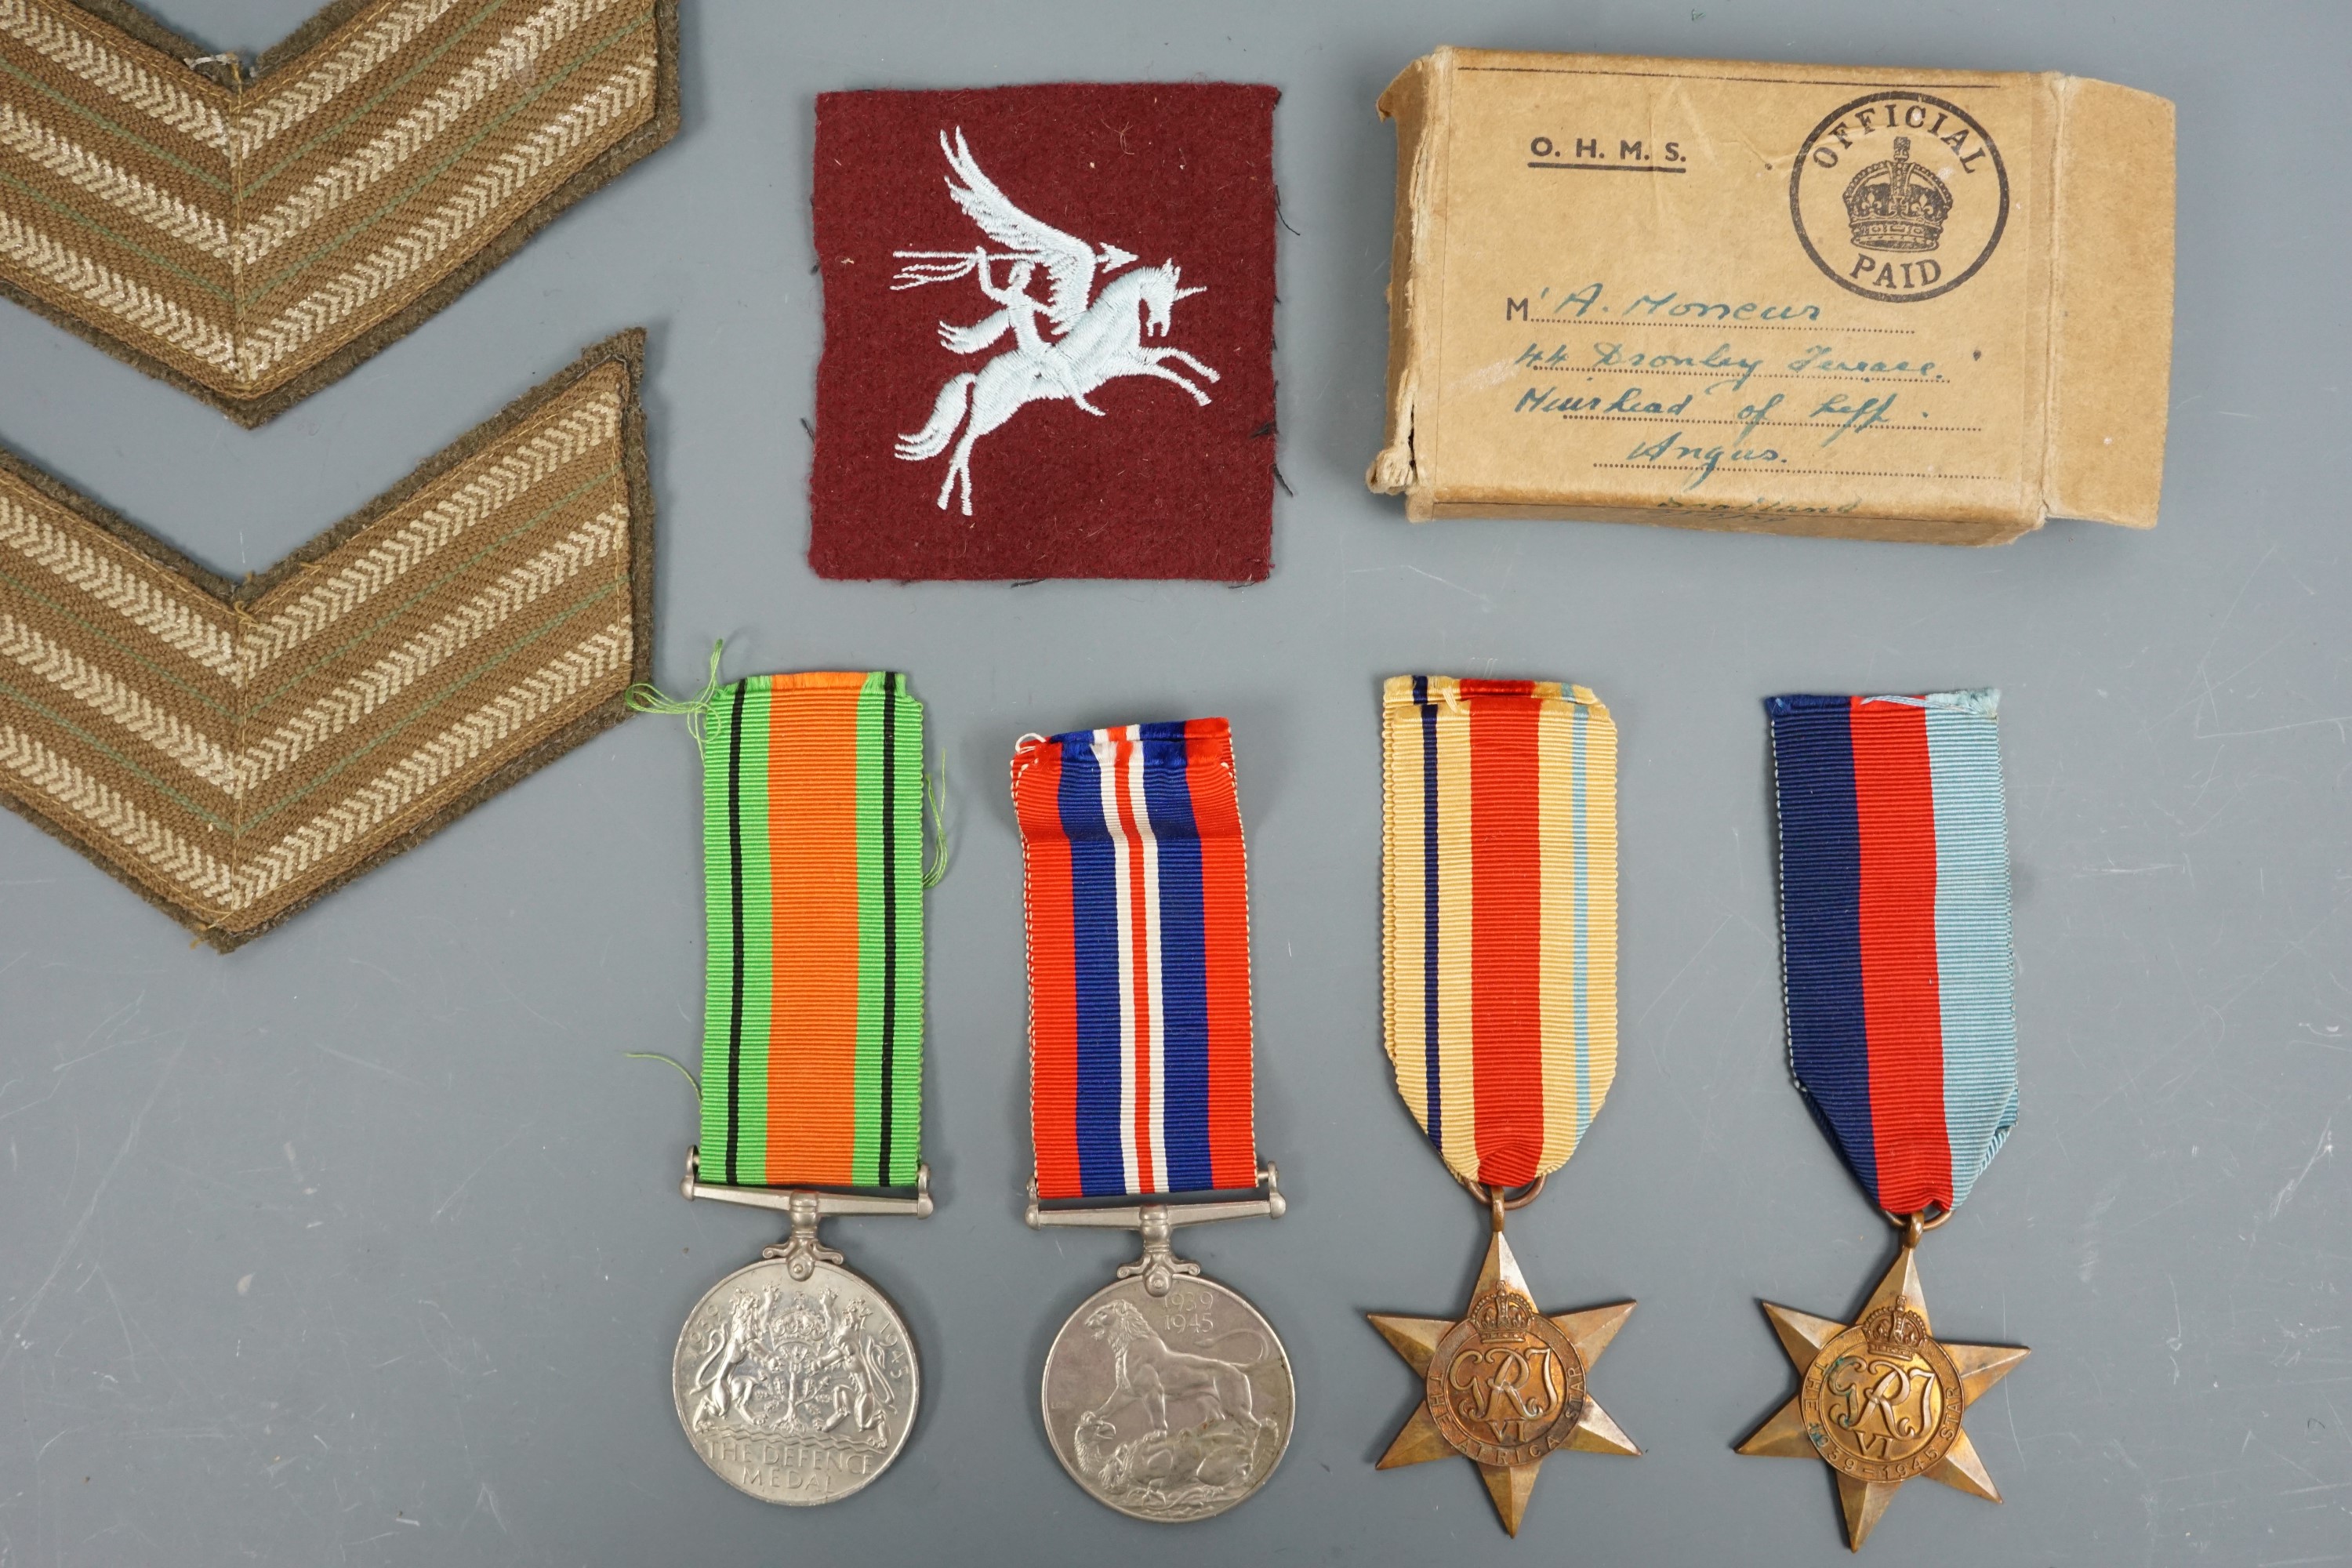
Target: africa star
{"x":1503,"y":1386}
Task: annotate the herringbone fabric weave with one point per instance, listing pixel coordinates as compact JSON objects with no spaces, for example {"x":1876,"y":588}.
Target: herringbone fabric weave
{"x":252,"y":239}
{"x":233,"y":751}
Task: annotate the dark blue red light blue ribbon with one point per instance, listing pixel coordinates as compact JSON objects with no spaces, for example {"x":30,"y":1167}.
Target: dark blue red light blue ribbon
{"x":1894,"y":926}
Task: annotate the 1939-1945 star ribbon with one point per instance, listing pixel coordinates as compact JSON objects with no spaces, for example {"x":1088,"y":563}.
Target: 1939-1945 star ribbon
{"x":1903,"y":1035}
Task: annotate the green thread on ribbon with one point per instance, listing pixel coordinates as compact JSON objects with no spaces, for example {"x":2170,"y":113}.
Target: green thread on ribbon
{"x":935,"y":796}
{"x":645,"y":696}
{"x":682,"y":1072}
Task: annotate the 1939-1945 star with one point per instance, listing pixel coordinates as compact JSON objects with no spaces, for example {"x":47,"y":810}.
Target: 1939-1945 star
{"x":1880,"y":1399}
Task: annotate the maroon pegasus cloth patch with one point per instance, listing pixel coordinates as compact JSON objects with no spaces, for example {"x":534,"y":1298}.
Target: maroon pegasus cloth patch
{"x":1048,"y":332}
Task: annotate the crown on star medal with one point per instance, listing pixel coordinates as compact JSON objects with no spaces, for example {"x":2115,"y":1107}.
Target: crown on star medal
{"x":1895,"y":1330}
{"x":1500,"y":1317}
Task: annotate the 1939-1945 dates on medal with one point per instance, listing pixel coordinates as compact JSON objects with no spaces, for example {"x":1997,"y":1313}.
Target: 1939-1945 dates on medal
{"x":795,"y":1390}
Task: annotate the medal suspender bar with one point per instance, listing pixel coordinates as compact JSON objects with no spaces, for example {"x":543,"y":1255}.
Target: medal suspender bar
{"x":1137,"y":917}
{"x":1500,"y":911}
{"x":812,"y":1074}
{"x":1895,"y":931}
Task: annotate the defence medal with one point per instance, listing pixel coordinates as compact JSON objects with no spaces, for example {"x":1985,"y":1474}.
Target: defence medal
{"x":1895,"y":933}
{"x":1166,"y":1394}
{"x":795,"y":1378}
{"x":1499,"y":966}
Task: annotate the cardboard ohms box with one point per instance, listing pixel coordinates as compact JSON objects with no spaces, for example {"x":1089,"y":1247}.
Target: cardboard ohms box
{"x":1932,"y":306}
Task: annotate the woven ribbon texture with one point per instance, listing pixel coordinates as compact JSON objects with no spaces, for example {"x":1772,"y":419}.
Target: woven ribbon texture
{"x":813,"y":865}
{"x":1498,"y":873}
{"x":1138,"y":961}
{"x":1896,"y":935}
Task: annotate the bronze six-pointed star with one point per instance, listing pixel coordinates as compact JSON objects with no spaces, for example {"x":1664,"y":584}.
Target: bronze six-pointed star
{"x":1880,"y":1399}
{"x":1503,"y":1385}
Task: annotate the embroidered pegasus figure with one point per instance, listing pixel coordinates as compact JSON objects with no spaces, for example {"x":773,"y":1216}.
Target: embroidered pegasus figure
{"x":1065,"y":345}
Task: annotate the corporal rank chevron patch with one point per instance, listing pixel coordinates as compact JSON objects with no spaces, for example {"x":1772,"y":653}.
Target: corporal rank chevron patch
{"x":1048,"y":332}
{"x":251,"y":236}
{"x":233,"y":751}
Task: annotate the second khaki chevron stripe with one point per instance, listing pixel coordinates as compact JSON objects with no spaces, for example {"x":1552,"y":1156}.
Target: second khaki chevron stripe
{"x":235,"y":751}
{"x":250,"y":240}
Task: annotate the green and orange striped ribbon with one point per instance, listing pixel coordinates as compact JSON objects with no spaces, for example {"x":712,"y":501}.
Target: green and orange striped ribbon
{"x":812,"y":846}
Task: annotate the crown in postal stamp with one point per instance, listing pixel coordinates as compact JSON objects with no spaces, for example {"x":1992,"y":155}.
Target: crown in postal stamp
{"x":1899,"y":195}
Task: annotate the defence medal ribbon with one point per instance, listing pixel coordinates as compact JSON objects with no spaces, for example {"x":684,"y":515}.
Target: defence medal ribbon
{"x":1166,"y":1397}
{"x":1498,"y":875}
{"x":1895,"y":933}
{"x":796,"y":1378}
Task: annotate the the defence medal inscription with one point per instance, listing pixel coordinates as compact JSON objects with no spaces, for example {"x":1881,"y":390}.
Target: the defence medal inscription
{"x":795,"y":1391}
{"x":1505,"y":1386}
{"x":1882,"y":1401}
{"x":1899,"y":195}
{"x":1168,"y":1407}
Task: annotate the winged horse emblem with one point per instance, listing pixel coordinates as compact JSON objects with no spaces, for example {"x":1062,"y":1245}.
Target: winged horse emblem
{"x":1066,"y":345}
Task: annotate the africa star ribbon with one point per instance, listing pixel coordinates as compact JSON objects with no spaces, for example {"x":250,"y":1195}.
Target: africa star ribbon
{"x":1499,"y":872}
{"x":1138,"y":910}
{"x":812,"y":856}
{"x":1895,"y":932}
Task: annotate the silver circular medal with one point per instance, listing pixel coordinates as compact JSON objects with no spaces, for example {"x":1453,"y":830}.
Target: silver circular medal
{"x":1168,"y":1407}
{"x":795,"y":1391}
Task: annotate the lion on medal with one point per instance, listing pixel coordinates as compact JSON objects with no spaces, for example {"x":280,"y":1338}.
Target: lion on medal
{"x":1175,"y":1471}
{"x":792,"y":1364}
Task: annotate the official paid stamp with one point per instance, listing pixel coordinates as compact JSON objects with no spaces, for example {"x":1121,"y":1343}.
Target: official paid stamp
{"x":1899,"y":195}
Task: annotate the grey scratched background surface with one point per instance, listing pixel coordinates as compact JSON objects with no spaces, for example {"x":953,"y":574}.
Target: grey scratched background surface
{"x":362,"y":1245}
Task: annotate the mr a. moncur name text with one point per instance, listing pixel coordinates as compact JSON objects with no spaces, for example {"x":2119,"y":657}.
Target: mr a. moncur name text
{"x":1565,"y":304}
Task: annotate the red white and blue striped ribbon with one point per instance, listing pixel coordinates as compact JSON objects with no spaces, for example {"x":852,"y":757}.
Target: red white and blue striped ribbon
{"x":1138,"y":910}
{"x":1895,"y":925}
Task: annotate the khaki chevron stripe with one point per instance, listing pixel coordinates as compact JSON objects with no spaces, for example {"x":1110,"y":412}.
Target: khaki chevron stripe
{"x":361,"y":52}
{"x":129,"y":830}
{"x":235,"y":751}
{"x":324,"y":598}
{"x":164,"y":322}
{"x":422,"y":249}
{"x":140,"y":201}
{"x":133,"y":78}
{"x":524,"y":50}
{"x":250,"y":236}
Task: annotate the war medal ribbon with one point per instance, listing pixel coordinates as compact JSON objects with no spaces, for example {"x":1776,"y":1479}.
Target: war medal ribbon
{"x":795,"y":1378}
{"x":1166,"y":1395}
{"x":1498,"y":875}
{"x":1894,"y":931}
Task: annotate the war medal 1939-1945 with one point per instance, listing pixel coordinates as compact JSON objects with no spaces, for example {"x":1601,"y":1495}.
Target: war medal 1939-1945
{"x":1902,"y":1033}
{"x":1166,"y":1395}
{"x":1499,"y":883}
{"x":795,"y":1378}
